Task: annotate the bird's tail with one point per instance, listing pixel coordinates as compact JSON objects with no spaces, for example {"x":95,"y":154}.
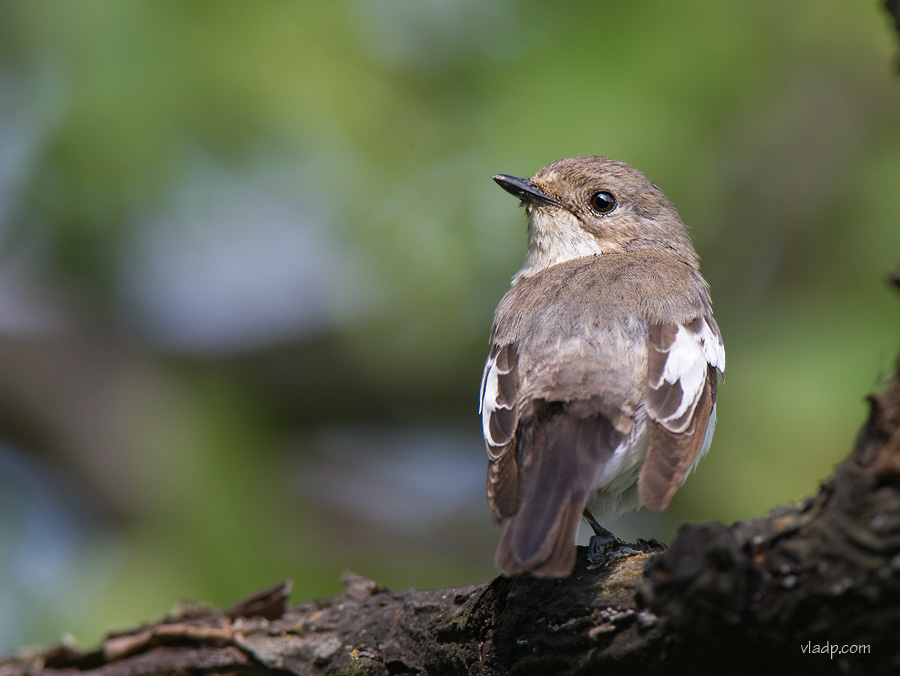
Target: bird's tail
{"x":560,"y":459}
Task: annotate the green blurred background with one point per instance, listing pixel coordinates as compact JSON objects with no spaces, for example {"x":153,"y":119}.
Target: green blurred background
{"x":251,"y":251}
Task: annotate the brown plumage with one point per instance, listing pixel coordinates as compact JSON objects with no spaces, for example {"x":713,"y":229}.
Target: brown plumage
{"x":601,"y":382}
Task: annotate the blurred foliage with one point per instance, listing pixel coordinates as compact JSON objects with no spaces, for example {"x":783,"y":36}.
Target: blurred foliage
{"x":250,"y":254}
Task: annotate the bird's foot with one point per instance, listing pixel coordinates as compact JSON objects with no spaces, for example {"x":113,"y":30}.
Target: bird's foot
{"x":602,"y":551}
{"x":604,"y":547}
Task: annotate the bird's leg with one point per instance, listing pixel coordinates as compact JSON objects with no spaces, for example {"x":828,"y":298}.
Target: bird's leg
{"x":599,"y":531}
{"x":603,"y":546}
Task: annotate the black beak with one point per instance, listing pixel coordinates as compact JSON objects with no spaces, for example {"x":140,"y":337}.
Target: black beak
{"x":524,"y":189}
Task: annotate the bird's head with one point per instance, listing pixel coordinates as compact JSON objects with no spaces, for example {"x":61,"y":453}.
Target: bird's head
{"x":587,"y":206}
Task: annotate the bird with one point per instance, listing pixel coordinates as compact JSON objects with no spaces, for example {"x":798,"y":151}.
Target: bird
{"x":599,"y":392}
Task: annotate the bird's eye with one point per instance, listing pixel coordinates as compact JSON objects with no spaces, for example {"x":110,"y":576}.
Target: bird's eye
{"x":603,"y":202}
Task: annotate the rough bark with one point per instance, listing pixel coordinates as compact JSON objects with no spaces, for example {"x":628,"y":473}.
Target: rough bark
{"x":740,"y":599}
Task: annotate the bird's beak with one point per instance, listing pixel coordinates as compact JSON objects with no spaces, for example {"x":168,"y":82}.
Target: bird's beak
{"x":524,"y":189}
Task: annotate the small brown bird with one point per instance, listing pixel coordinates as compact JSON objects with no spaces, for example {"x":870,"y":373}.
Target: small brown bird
{"x":599,"y":394}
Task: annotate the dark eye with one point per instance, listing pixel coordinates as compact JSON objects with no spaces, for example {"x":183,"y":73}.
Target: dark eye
{"x":603,"y":202}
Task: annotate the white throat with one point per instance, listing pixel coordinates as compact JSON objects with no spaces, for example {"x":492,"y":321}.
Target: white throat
{"x":555,"y":237}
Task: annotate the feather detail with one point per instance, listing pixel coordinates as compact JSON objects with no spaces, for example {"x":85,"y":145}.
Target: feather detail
{"x":671,"y":456}
{"x":503,"y":483}
{"x":499,"y":419}
{"x":683,"y":363}
{"x":499,"y":387}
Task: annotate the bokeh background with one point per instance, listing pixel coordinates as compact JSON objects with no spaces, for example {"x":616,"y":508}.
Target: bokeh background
{"x":249,"y":255}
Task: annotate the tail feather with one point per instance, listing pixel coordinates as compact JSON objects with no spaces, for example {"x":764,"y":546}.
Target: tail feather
{"x":560,"y":458}
{"x":555,"y":556}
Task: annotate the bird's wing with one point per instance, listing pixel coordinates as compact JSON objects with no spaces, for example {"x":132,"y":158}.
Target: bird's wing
{"x":499,"y":419}
{"x":683,"y":363}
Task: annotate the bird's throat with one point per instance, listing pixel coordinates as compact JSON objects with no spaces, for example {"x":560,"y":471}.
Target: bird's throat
{"x":558,"y":236}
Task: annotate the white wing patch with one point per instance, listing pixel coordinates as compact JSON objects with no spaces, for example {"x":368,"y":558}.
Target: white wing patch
{"x":681,"y":379}
{"x":713,"y":348}
{"x":497,"y":406}
{"x":489,"y":391}
{"x":686,"y":365}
